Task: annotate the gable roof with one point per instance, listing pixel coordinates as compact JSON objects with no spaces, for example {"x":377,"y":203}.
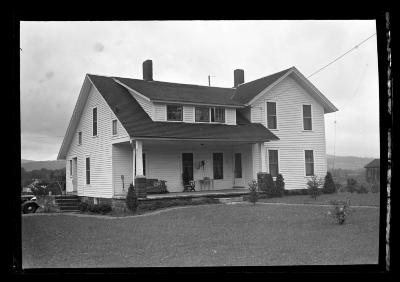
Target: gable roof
{"x":247,"y":91}
{"x":376,"y":163}
{"x":182,"y":93}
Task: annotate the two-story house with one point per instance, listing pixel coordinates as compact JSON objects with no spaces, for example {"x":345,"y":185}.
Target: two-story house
{"x":122,"y":128}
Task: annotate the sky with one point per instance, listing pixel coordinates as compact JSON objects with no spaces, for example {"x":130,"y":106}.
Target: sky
{"x":55,"y":56}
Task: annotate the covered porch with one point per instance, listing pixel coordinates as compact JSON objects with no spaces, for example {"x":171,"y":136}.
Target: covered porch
{"x":213,"y":165}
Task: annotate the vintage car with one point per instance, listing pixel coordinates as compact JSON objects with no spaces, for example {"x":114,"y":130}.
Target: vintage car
{"x":29,"y":204}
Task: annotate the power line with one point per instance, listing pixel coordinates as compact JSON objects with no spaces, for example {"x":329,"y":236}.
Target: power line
{"x":341,"y":56}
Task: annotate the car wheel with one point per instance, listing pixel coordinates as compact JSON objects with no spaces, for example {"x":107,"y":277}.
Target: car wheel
{"x":30,"y":208}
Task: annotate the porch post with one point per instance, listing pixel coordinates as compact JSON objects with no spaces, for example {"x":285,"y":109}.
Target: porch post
{"x":133,"y":161}
{"x":139,"y":158}
{"x":263,"y":157}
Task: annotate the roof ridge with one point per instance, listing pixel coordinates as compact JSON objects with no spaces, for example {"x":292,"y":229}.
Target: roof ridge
{"x":258,"y":79}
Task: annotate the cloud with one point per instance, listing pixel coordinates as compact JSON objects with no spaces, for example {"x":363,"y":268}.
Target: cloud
{"x":49,"y":74}
{"x":98,"y":47}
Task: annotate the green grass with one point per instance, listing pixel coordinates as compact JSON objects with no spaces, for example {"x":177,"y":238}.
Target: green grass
{"x":210,"y":235}
{"x":369,"y":199}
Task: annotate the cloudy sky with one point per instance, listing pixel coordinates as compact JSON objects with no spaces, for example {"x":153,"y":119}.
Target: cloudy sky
{"x":55,"y":57}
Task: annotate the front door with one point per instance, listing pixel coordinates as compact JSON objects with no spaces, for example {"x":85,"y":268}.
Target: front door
{"x":238,"y":174}
{"x":74,"y":175}
{"x":187,"y":167}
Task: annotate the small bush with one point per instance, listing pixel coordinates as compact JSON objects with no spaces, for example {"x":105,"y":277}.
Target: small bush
{"x":340,"y":187}
{"x":351,"y":185}
{"x":83,"y":206}
{"x":363,"y":189}
{"x":94,"y":208}
{"x":280,"y":185}
{"x":105,"y":208}
{"x":340,"y":210}
{"x":131,"y":199}
{"x":313,"y":186}
{"x":253,"y":195}
{"x":375,"y":187}
{"x":329,"y":185}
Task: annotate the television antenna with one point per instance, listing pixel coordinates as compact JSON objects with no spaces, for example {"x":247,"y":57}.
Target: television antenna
{"x":209,"y":83}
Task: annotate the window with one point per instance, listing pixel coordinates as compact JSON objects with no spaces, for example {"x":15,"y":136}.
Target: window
{"x":202,"y":114}
{"x":307,"y":121}
{"x":80,"y":137}
{"x":271,"y":115}
{"x":94,"y":121}
{"x":174,"y":112}
{"x":218,"y":167}
{"x":70,"y":167}
{"x":218,"y":115}
{"x":87,"y":170}
{"x":273,"y":162}
{"x":114,"y":127}
{"x":309,"y":157}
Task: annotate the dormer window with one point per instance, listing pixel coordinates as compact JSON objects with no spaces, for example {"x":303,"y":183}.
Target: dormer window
{"x":202,"y":114}
{"x":174,"y":113}
{"x":218,"y":115}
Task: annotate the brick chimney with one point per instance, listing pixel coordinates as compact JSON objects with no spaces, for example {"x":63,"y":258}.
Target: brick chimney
{"x":148,"y":70}
{"x":238,"y":77}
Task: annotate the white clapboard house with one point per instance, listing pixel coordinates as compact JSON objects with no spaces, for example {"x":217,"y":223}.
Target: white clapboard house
{"x":124,"y":127}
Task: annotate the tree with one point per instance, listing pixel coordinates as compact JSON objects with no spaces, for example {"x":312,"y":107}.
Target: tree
{"x":329,"y":184}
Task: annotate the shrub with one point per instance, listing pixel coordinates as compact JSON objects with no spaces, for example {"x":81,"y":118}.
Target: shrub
{"x":94,"y":208}
{"x":375,"y":187}
{"x":351,"y":185}
{"x":253,"y":195}
{"x":131,"y":199}
{"x":363,"y":189}
{"x":329,"y":185}
{"x":280,"y":185}
{"x":83,"y":206}
{"x":266,"y":184}
{"x":313,"y":186}
{"x":340,"y":210}
{"x":340,"y":187}
{"x":105,"y":208}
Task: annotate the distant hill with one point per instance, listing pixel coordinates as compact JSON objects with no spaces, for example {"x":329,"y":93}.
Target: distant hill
{"x":348,"y":162}
{"x":32,"y":165}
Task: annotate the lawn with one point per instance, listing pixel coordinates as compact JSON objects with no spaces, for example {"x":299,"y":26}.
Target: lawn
{"x":211,"y":235}
{"x":368,"y":199}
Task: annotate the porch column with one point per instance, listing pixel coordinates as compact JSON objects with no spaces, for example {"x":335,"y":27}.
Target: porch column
{"x":263,"y":162}
{"x":133,"y":161}
{"x":139,"y":158}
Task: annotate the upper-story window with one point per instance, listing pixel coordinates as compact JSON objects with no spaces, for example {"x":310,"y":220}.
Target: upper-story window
{"x":307,"y":120}
{"x":80,"y":138}
{"x":271,"y":115}
{"x":202,"y":114}
{"x":114,"y":127}
{"x":218,"y":115}
{"x":174,"y":113}
{"x":94,"y":121}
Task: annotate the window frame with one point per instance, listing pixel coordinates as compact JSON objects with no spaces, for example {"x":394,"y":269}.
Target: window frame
{"x":95,"y":122}
{"x":310,"y":117}
{"x":277,"y":161}
{"x":305,"y":163}
{"x":213,"y":109}
{"x":178,"y":106}
{"x":267,"y":114}
{"x":114,"y":125}
{"x":222,"y":165}
{"x":202,"y":107}
{"x":87,"y":171}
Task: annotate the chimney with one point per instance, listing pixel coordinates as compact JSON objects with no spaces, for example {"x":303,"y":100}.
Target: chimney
{"x":238,"y":77}
{"x":148,"y":70}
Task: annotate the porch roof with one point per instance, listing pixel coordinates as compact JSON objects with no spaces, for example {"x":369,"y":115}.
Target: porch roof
{"x":138,"y":124}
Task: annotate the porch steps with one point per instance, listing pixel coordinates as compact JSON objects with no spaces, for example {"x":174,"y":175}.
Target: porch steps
{"x":231,"y":200}
{"x":68,"y":203}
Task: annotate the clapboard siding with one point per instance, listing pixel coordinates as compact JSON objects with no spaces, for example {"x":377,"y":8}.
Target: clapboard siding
{"x":290,"y":97}
{"x":97,"y":148}
{"x":160,"y":112}
{"x":122,"y":165}
{"x":230,"y":116}
{"x":188,"y":113}
{"x":144,"y":103}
